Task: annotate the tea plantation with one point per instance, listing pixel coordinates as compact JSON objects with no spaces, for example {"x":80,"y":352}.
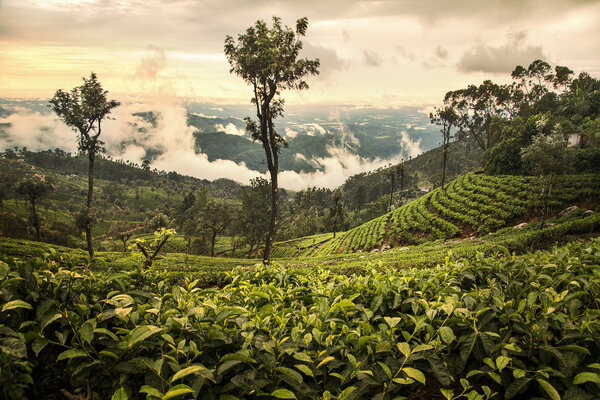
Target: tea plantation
{"x":504,"y":326}
{"x":472,"y":205}
{"x":460,"y":307}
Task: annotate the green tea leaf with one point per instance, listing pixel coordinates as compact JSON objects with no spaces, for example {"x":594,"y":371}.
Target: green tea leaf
{"x":106,"y":332}
{"x":71,"y":353}
{"x":120,"y":394}
{"x":304,"y":369}
{"x":448,"y":393}
{"x":177,"y":391}
{"x":290,"y":373}
{"x":584,"y":377}
{"x":11,"y":305}
{"x":549,"y":389}
{"x":141,"y":333}
{"x":392,"y":322}
{"x":404,"y":348}
{"x":447,"y":334}
{"x":325,"y":361}
{"x":283,"y":394}
{"x":502,"y":362}
{"x":151,"y":391}
{"x":386,"y":369}
{"x":192,"y":369}
{"x":302,"y":357}
{"x":415,"y":374}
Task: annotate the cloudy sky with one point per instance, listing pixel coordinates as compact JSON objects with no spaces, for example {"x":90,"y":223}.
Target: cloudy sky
{"x":372,"y":52}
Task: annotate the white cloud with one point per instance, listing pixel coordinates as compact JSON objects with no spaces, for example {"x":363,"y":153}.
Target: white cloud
{"x":290,"y":133}
{"x":230,"y":129}
{"x":411,"y":147}
{"x":37,"y":131}
{"x":336,"y":169}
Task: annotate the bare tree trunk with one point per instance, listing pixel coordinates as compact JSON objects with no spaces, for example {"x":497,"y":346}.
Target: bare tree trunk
{"x":391,"y":194}
{"x":213,"y":239}
{"x":274,"y":209}
{"x":546,"y":193}
{"x":445,"y":151}
{"x":36,"y":221}
{"x":88,"y":217}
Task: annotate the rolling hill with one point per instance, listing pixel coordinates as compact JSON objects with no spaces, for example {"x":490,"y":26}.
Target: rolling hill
{"x":470,"y":206}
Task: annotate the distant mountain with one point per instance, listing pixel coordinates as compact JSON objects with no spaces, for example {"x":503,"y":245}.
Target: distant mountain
{"x":320,"y":138}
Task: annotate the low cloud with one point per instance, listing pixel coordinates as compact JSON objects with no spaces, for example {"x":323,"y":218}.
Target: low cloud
{"x":290,"y":133}
{"x":37,"y":131}
{"x":335,"y":170}
{"x":230,"y":129}
{"x":411,"y":147}
{"x":500,"y":59}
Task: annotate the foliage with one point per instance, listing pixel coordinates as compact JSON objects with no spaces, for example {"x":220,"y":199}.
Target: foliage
{"x":150,"y":252}
{"x":499,"y":327}
{"x":267,"y":60}
{"x":475,"y":204}
{"x":83,"y":109}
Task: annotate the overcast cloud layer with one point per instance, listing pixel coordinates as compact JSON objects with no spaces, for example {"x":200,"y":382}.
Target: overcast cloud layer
{"x":382,"y":53}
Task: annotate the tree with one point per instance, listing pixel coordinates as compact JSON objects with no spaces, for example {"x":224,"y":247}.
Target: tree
{"x":267,"y":60}
{"x":33,"y":190}
{"x":360,"y":197}
{"x":255,"y":216}
{"x":545,"y":157}
{"x":392,"y":174}
{"x":531,"y":82}
{"x":161,"y":236}
{"x":216,"y":217}
{"x":446,"y":118}
{"x":337,"y":209}
{"x":83,"y":109}
{"x":123,"y":232}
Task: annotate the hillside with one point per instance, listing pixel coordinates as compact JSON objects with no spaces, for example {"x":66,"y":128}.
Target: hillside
{"x":470,"y":206}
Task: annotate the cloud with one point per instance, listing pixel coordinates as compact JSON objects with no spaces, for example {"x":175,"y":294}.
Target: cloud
{"x":37,"y":131}
{"x":290,"y":133}
{"x":153,"y":61}
{"x":500,"y":59}
{"x":330,"y":62}
{"x":411,"y":147}
{"x":441,"y":53}
{"x":404,"y":53}
{"x":230,"y":129}
{"x":371,"y":58}
{"x":335,"y":170}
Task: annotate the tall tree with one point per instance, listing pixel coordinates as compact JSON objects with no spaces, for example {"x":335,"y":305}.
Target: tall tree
{"x":394,"y":173}
{"x":446,"y":118}
{"x":545,"y":157}
{"x":216,"y":217}
{"x":268,"y":60}
{"x":83,"y":109}
{"x":255,"y":215}
{"x":337,"y":209}
{"x":33,"y":190}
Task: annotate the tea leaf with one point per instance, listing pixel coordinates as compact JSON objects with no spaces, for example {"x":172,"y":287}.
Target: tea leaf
{"x":283,"y":394}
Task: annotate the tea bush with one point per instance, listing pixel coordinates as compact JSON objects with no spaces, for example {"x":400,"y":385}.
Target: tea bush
{"x":485,"y":327}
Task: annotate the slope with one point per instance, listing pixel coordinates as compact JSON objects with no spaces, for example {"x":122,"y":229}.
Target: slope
{"x":470,"y":206}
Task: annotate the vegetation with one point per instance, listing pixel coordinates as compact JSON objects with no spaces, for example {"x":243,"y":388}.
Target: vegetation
{"x":472,"y":205}
{"x":83,"y":109}
{"x":499,"y":327}
{"x":267,"y":59}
